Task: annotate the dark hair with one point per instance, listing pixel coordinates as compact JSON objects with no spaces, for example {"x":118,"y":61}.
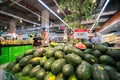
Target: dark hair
{"x":35,"y":35}
{"x":30,"y":35}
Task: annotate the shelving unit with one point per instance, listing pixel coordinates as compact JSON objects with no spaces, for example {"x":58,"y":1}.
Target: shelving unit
{"x":9,"y":53}
{"x":112,"y":38}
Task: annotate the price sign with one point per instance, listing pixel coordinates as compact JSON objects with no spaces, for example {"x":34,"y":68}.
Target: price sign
{"x":80,"y":33}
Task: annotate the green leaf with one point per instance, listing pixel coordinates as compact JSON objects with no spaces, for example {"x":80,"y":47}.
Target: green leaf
{"x":96,"y":23}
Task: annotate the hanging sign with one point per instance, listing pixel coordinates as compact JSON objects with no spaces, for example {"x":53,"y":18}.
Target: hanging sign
{"x":80,"y":33}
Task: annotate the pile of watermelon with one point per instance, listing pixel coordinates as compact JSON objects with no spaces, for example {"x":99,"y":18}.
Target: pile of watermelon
{"x":69,"y":62}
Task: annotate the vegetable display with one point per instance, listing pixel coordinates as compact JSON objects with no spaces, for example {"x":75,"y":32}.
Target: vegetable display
{"x":68,"y":62}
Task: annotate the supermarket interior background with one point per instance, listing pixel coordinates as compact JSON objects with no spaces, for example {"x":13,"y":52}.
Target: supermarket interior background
{"x":77,"y":33}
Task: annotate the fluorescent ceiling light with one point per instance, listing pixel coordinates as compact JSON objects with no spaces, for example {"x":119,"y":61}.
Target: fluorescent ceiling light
{"x":58,"y":10}
{"x":5,"y":27}
{"x":21,"y":21}
{"x":41,"y":2}
{"x":33,"y":25}
{"x":29,"y":10}
{"x":59,"y":7}
{"x":17,"y":17}
{"x":100,"y":14}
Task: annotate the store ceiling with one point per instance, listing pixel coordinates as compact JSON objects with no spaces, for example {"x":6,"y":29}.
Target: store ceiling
{"x":113,"y":28}
{"x":10,"y":7}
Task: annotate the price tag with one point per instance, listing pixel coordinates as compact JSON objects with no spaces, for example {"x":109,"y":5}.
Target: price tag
{"x":80,"y":33}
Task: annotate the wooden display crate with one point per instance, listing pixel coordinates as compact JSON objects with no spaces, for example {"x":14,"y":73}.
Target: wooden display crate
{"x":111,"y":38}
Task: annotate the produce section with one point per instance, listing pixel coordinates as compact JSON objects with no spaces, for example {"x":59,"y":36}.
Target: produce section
{"x":67,"y":62}
{"x":112,"y":38}
{"x":59,"y":40}
{"x":8,"y":53}
{"x":15,"y":42}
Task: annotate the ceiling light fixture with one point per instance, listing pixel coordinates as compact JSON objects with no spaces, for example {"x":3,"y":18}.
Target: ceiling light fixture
{"x":38,"y":18}
{"x":5,"y":27}
{"x":41,"y":2}
{"x":29,"y":10}
{"x":99,"y":14}
{"x":17,"y":17}
{"x":58,"y":10}
{"x":56,"y":3}
{"x":21,"y":21}
{"x":33,"y":25}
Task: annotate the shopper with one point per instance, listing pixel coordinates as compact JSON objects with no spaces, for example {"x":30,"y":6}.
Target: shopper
{"x":35,"y":41}
{"x":39,"y":40}
{"x":30,"y":39}
{"x":96,"y":38}
{"x":90,"y":38}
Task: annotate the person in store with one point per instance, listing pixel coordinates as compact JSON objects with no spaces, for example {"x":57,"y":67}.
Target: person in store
{"x":39,"y":40}
{"x":50,"y":40}
{"x":96,"y":38}
{"x":30,"y":39}
{"x":90,"y":38}
{"x":35,"y":41}
{"x":1,"y":37}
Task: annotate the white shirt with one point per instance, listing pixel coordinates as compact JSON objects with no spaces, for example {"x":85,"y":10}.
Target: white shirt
{"x":96,"y":39}
{"x":1,"y":38}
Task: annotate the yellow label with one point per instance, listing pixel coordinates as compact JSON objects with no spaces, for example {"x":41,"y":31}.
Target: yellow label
{"x":52,"y":78}
{"x":36,"y":58}
{"x":92,"y":60}
{"x":101,"y":68}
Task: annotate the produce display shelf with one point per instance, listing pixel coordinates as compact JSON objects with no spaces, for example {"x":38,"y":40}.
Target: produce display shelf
{"x":8,"y":53}
{"x":8,"y":45}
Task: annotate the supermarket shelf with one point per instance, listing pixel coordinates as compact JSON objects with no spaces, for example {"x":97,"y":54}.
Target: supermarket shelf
{"x":14,"y":45}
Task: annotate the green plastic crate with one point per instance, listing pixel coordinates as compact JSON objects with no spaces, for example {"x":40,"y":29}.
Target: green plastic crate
{"x":0,"y":59}
{"x":12,"y":58}
{"x":27,"y":47}
{"x":4,"y":55}
{"x":18,"y":54}
{"x":15,"y":49}
{"x":5,"y":51}
{"x":5,"y":59}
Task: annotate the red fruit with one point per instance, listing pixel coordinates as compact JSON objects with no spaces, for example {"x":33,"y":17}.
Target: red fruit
{"x":80,"y":46}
